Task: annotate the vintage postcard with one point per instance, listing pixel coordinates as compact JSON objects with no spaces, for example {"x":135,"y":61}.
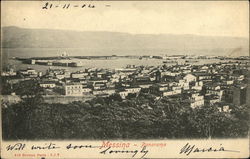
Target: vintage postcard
{"x":124,"y":79}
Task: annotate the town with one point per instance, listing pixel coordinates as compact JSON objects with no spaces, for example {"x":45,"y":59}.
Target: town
{"x":224,"y":83}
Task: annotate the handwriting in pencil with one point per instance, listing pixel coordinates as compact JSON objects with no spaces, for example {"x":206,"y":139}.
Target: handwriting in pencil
{"x":49,"y":5}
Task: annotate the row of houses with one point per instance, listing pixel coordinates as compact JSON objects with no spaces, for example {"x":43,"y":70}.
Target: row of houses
{"x":204,"y":84}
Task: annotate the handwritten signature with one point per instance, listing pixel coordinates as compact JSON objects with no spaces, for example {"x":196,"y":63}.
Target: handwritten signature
{"x":188,"y":149}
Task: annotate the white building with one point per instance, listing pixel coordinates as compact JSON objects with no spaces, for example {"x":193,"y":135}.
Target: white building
{"x":79,"y":74}
{"x":198,"y":86}
{"x":170,"y":93}
{"x":73,"y":90}
{"x":11,"y":72}
{"x":123,"y":94}
{"x":48,"y":84}
{"x":190,"y":78}
{"x":196,"y":100}
{"x":225,"y":108}
{"x":133,"y":90}
{"x":86,"y":90}
{"x":183,"y":84}
{"x":219,"y":93}
{"x":29,"y":71}
{"x":104,"y":91}
{"x":127,"y":91}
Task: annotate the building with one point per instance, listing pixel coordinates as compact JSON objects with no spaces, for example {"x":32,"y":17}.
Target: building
{"x":189,"y":78}
{"x":99,"y":85}
{"x":236,"y":94}
{"x":214,"y":89}
{"x":202,"y":76}
{"x":145,"y":85}
{"x":73,"y":89}
{"x":58,"y":73}
{"x":158,"y":76}
{"x":224,"y":107}
{"x":133,"y":90}
{"x":211,"y":99}
{"x":86,"y":90}
{"x":79,"y":74}
{"x":183,"y":84}
{"x":171,"y":92}
{"x":60,"y":76}
{"x":11,"y":72}
{"x":103,"y":92}
{"x":158,"y":88}
{"x":123,"y":94}
{"x":47,"y":84}
{"x":196,"y":100}
{"x":218,"y":93}
{"x":228,"y":82}
{"x":237,"y":77}
{"x":97,"y":80}
{"x":29,"y":72}
{"x":130,"y":90}
{"x":197,"y":85}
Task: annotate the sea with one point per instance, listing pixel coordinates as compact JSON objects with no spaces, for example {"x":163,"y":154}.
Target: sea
{"x":8,"y":54}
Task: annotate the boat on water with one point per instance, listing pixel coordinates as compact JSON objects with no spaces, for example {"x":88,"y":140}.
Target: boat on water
{"x":191,"y":61}
{"x":170,"y":61}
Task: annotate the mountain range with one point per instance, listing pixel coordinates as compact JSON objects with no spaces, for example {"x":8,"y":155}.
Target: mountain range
{"x":16,"y":37}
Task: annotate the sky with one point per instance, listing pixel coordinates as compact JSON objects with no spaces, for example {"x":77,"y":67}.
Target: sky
{"x":210,"y":18}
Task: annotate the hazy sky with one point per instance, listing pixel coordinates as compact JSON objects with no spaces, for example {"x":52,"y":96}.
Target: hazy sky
{"x":229,"y":18}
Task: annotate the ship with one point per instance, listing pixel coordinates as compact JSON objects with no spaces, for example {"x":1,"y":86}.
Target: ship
{"x":191,"y":61}
{"x":169,"y":61}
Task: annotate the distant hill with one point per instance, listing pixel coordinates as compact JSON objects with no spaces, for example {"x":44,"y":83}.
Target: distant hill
{"x":15,"y":37}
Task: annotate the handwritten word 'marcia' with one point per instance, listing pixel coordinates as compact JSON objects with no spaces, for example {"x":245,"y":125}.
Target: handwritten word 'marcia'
{"x":187,"y":149}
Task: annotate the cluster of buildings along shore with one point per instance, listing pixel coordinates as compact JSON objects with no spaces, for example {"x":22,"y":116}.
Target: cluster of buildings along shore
{"x":223,"y":83}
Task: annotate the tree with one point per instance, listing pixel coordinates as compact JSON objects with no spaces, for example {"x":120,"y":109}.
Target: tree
{"x":6,"y":88}
{"x":137,"y":118}
{"x":28,"y":89}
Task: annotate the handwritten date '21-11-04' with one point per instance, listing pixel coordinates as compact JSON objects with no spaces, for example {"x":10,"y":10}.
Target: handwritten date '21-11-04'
{"x":51,"y":5}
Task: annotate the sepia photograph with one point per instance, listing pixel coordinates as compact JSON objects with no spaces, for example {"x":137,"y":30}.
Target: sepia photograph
{"x":109,"y":71}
